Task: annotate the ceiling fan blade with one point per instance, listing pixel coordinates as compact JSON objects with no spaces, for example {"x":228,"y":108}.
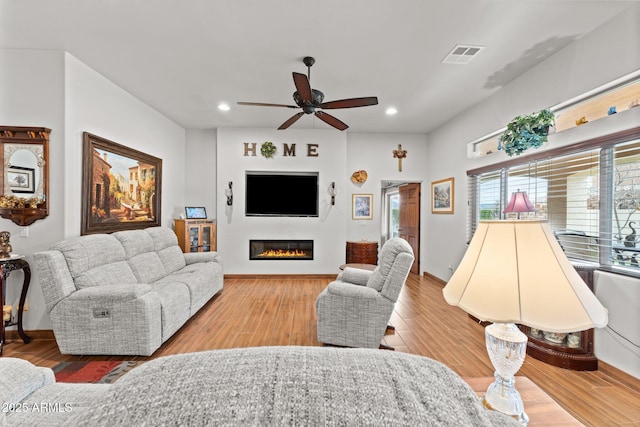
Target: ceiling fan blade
{"x":329,"y":119}
{"x":302,"y":86}
{"x":350,"y":103}
{"x":291,"y":121}
{"x":262,"y":104}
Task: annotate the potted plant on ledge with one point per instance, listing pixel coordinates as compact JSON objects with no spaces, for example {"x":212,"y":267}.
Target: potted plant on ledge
{"x":524,"y":132}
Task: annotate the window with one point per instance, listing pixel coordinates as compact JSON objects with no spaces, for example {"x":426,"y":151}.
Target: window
{"x":589,"y":196}
{"x":393,"y":214}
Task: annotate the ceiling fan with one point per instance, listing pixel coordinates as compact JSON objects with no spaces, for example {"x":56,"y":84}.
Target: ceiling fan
{"x":311,"y":101}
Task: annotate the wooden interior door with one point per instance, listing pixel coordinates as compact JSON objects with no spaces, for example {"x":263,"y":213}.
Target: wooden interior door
{"x":409,"y":226}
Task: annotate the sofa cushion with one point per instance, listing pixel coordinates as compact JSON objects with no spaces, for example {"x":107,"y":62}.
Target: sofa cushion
{"x":386,"y":260}
{"x":166,"y":245}
{"x":197,"y":278}
{"x":106,"y":275}
{"x":96,"y":260}
{"x":19,"y":378}
{"x":141,"y":253}
{"x":61,"y":400}
{"x":86,"y":252}
{"x":175,"y":303}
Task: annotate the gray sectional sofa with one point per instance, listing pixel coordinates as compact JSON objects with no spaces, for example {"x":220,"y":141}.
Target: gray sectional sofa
{"x":263,"y":386}
{"x":124,"y":293}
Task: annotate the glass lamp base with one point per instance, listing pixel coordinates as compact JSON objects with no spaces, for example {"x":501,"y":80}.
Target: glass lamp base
{"x":502,"y":396}
{"x":506,"y":346}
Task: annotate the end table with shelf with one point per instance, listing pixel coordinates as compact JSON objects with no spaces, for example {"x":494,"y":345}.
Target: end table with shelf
{"x":7,"y":265}
{"x":196,"y":235}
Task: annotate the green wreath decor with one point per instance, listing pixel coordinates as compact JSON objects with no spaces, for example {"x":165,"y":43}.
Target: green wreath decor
{"x":268,"y":149}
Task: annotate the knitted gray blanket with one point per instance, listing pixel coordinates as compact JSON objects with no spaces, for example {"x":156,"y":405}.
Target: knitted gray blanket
{"x":297,"y":386}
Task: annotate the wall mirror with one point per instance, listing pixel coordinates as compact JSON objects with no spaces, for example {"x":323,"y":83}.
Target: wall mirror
{"x":24,"y":155}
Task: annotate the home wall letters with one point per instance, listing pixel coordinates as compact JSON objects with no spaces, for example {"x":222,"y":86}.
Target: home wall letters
{"x":288,"y":150}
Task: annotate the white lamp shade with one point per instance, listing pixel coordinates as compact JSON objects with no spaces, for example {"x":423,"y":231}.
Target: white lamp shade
{"x":516,"y":272}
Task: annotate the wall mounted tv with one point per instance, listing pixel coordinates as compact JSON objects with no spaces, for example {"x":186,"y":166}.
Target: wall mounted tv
{"x":281,"y":193}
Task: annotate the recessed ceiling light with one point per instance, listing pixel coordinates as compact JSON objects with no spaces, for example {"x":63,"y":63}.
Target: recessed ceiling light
{"x":223,"y":107}
{"x":391,"y":111}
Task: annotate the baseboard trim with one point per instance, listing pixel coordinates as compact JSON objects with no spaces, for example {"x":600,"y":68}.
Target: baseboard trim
{"x":436,"y":279}
{"x":279,"y":276}
{"x":620,"y":375}
{"x":39,"y":334}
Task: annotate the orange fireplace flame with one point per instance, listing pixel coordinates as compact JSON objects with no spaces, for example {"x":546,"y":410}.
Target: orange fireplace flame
{"x":280,"y":253}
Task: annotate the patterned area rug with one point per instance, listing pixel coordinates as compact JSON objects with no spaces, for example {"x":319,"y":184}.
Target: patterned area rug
{"x":103,"y":372}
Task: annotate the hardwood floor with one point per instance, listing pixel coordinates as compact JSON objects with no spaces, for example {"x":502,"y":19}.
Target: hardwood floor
{"x":260,"y":311}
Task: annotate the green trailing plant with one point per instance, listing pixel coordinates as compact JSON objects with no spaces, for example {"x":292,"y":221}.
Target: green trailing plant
{"x":524,"y":132}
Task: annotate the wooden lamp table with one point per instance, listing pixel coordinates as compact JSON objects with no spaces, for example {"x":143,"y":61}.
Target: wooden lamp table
{"x":539,"y":406}
{"x":7,"y":265}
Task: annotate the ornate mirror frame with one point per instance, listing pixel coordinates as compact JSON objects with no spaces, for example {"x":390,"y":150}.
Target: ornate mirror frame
{"x":25,"y":207}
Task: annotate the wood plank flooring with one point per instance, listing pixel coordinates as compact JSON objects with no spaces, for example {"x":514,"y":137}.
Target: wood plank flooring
{"x":260,"y":311}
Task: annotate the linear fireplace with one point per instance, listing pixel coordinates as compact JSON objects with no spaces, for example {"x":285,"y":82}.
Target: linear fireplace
{"x":280,"y":249}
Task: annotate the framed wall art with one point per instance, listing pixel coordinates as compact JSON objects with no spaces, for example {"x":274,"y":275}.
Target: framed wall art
{"x":120,"y":187}
{"x":442,"y":193}
{"x":362,"y":206}
{"x":21,"y":179}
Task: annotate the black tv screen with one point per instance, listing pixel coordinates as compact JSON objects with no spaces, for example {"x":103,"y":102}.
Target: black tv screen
{"x":281,"y":194}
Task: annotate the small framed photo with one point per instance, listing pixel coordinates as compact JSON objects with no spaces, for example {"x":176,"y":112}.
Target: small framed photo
{"x":362,"y":206}
{"x":442,"y":196}
{"x":21,"y":179}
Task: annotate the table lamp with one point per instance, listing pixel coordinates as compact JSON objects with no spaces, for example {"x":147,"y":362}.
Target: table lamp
{"x":515,"y":272}
{"x":519,"y":203}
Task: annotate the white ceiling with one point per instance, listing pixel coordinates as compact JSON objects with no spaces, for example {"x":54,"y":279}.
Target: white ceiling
{"x":185,"y":57}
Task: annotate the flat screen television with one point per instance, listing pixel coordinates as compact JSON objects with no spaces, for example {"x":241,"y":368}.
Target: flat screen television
{"x":281,"y":194}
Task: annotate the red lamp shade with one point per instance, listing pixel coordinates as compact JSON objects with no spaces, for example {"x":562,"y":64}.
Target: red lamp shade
{"x":519,"y":203}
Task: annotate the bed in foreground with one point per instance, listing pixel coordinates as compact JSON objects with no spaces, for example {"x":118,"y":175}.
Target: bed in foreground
{"x":278,"y":386}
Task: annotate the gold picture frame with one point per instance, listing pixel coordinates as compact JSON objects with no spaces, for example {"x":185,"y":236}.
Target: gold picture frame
{"x":120,"y":187}
{"x":442,"y":196}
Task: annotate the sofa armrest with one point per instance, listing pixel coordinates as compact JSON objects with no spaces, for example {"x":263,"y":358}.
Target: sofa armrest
{"x":112,"y":294}
{"x":350,"y":290}
{"x":356,"y":276}
{"x":115,"y":319}
{"x":19,"y":378}
{"x":195,"y":257}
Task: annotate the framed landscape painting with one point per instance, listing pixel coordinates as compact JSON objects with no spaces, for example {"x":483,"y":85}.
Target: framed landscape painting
{"x":442,"y":196}
{"x":21,"y":179}
{"x":362,"y":206}
{"x":120,"y":187}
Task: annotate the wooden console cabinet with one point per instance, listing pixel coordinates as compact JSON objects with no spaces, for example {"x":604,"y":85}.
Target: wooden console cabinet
{"x":196,"y":235}
{"x":362,"y":252}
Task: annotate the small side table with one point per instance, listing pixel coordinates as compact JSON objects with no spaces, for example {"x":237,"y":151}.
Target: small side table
{"x":369,"y":267}
{"x":7,"y":265}
{"x":362,"y":252}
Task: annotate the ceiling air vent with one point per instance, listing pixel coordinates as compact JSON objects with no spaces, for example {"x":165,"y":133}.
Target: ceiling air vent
{"x":462,"y":54}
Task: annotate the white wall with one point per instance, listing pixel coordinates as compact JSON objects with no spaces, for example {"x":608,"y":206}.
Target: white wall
{"x":619,"y":343}
{"x":606,"y":54}
{"x":32,"y":85}
{"x":96,"y":105}
{"x":55,"y":90}
{"x":374,"y":153}
{"x":201,"y":180}
{"x":235,"y":230}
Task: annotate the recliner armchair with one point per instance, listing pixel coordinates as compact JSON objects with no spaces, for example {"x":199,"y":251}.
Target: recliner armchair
{"x":354,"y":310}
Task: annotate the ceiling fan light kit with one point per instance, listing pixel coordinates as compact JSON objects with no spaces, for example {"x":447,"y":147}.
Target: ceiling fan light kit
{"x":311,"y":101}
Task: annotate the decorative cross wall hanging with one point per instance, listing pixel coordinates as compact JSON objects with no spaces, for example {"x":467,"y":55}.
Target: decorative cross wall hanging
{"x":399,"y":154}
